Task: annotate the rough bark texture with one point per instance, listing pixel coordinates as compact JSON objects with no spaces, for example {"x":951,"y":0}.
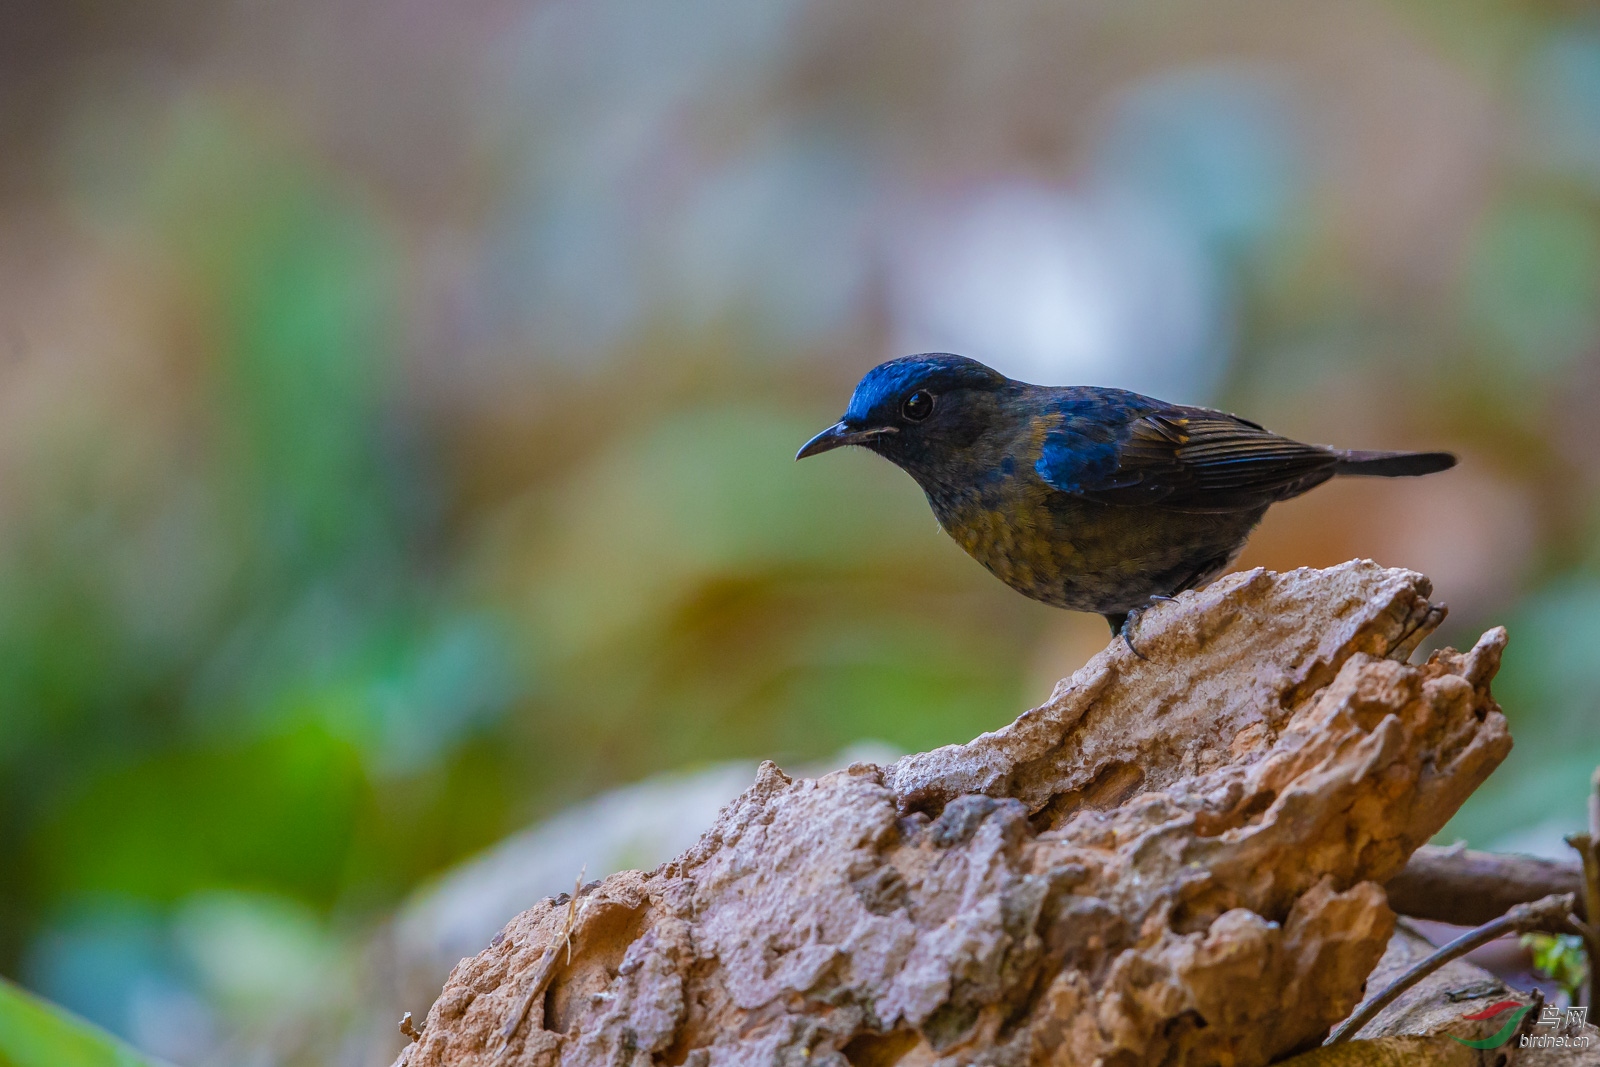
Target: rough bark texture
{"x":1175,"y":860}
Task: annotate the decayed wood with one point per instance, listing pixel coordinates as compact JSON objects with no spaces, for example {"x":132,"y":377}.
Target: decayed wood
{"x":1468,"y":888}
{"x":1175,"y":861}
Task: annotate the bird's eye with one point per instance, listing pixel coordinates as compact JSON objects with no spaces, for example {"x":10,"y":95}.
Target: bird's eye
{"x":917,"y":406}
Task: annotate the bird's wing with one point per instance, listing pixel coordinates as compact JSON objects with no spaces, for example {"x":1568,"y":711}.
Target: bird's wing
{"x":1189,"y":458}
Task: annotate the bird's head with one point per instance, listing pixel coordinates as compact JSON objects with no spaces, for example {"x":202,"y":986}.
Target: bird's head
{"x":917,"y":411}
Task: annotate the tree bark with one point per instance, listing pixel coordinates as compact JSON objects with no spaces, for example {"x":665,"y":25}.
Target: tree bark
{"x":1173,"y":861}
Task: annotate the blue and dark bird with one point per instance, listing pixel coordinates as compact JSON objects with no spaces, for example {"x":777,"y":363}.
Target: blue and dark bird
{"x":1089,"y":499}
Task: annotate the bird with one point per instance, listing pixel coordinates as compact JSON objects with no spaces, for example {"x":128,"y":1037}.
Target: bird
{"x":1087,"y":498}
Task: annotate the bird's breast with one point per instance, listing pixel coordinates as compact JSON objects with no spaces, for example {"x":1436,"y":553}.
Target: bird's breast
{"x":1007,"y":525}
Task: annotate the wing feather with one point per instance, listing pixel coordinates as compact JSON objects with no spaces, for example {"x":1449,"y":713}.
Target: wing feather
{"x":1189,"y":458}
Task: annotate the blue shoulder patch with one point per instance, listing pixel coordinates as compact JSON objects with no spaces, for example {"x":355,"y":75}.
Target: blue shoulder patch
{"x":1082,"y":454}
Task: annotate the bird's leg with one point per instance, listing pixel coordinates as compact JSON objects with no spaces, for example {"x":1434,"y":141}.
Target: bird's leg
{"x":1122,"y":623}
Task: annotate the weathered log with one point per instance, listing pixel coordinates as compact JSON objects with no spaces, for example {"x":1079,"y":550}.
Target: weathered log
{"x":1468,"y":888}
{"x":1171,"y":861}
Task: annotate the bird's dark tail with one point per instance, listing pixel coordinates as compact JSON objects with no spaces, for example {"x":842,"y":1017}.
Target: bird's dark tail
{"x":1393,"y":464}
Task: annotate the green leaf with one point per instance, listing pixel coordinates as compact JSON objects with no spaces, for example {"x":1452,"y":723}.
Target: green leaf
{"x":1559,"y":957}
{"x":36,"y":1033}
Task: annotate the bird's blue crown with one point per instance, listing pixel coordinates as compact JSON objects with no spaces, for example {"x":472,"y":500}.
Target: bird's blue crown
{"x":938,"y":372}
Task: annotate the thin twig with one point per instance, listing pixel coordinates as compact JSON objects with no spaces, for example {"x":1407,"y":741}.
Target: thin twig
{"x":1548,"y":913}
{"x":545,"y":969}
{"x":1588,"y":849}
{"x":1588,"y":846}
{"x":572,"y":910}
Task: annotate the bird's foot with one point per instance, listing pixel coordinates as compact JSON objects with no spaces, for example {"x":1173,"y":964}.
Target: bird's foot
{"x":1122,"y":624}
{"x":1125,"y":631}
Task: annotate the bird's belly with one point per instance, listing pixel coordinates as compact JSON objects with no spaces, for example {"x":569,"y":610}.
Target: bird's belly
{"x":1084,"y":556}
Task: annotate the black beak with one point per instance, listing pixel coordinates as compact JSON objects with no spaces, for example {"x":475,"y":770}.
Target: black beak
{"x":836,"y":435}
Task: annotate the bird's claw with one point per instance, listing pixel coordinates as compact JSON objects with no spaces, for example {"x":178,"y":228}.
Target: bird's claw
{"x":1130,"y":620}
{"x":1126,"y":631}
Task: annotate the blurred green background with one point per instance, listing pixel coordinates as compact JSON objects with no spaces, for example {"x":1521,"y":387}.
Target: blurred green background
{"x":397,"y":404}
